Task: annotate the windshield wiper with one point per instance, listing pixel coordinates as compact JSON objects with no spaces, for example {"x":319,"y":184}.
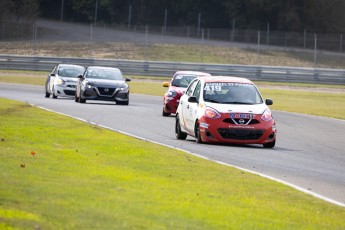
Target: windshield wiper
{"x":237,"y":102}
{"x":211,"y":100}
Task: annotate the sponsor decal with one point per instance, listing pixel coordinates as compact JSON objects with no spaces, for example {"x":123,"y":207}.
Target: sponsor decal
{"x":204,"y":125}
{"x":242,"y":127}
{"x":242,"y":115}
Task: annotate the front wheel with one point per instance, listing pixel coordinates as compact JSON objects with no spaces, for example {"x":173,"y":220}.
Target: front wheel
{"x":197,"y":133}
{"x":178,"y":132}
{"x":47,"y":95}
{"x":54,"y":95}
{"x":270,"y":144}
{"x":165,"y":114}
{"x":122,"y":102}
{"x":76,"y":98}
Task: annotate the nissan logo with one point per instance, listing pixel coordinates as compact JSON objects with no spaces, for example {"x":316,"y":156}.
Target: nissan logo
{"x":106,"y":90}
{"x":241,"y":121}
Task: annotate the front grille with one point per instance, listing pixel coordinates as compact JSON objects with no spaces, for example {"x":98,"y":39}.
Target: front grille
{"x":104,"y":91}
{"x":69,"y":92}
{"x":71,"y":86}
{"x":237,"y":120}
{"x":241,"y":134}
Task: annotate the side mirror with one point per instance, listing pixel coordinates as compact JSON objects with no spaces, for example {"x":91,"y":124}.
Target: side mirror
{"x":165,"y":84}
{"x":128,"y":79}
{"x":192,"y":99}
{"x":80,"y":77}
{"x":52,"y":75}
{"x":269,"y":101}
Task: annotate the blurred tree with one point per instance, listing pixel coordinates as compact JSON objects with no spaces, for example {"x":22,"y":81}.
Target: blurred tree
{"x":25,"y":10}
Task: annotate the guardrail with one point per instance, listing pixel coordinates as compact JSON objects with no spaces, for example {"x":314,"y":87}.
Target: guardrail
{"x":154,"y":68}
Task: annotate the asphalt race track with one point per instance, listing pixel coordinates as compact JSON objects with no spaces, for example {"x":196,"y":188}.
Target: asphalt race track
{"x":309,"y":153}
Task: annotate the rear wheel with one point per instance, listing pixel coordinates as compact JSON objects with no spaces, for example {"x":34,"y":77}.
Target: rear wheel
{"x":178,"y":133}
{"x":270,"y":144}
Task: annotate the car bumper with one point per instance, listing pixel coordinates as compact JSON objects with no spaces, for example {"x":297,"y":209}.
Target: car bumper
{"x":111,"y":94}
{"x":170,"y":104}
{"x":222,"y":132}
{"x":65,"y":90}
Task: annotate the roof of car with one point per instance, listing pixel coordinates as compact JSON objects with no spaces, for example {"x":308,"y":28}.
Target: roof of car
{"x":70,"y":65}
{"x":102,"y":67}
{"x":192,"y":73}
{"x":227,"y":79}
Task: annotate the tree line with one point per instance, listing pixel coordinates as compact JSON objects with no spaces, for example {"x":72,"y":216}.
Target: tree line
{"x":319,"y":16}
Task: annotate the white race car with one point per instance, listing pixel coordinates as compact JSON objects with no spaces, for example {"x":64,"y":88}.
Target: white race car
{"x":225,"y":110}
{"x":62,"y":81}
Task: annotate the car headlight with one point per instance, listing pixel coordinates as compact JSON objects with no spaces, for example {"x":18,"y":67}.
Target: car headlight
{"x":267,"y":115}
{"x":171,"y":93}
{"x":212,"y":113}
{"x":123,"y":88}
{"x":59,"y":81}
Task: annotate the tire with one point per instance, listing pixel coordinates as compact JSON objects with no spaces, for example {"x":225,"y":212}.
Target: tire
{"x":165,"y":114}
{"x":82,"y":100}
{"x":197,"y":133}
{"x":269,"y":145}
{"x":76,"y":98}
{"x":47,"y":95}
{"x":54,"y":96}
{"x":178,"y":133}
{"x":122,"y":102}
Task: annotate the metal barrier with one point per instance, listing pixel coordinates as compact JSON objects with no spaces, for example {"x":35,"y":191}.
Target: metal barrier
{"x":154,"y":68}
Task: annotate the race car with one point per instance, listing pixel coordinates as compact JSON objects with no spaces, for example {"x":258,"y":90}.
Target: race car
{"x":225,"y":110}
{"x":102,"y":83}
{"x":177,"y":87}
{"x":62,"y":80}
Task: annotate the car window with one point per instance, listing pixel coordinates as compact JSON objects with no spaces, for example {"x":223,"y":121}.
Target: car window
{"x":191,"y":87}
{"x":231,"y":93}
{"x":72,"y":72}
{"x":109,"y":74}
{"x":182,"y":80}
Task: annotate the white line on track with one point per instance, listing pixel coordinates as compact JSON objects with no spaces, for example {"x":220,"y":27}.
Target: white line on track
{"x":206,"y":158}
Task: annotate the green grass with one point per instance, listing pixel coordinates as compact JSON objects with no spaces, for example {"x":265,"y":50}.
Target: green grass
{"x":85,"y":177}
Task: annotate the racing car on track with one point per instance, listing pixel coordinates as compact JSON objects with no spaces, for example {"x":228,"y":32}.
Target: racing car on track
{"x":62,"y":80}
{"x":177,"y":87}
{"x":102,"y":83}
{"x":227,"y":110}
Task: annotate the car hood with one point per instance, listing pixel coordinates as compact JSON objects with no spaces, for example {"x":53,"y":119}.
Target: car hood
{"x":106,"y":83}
{"x":69,"y":79}
{"x":178,"y":90}
{"x":238,"y":108}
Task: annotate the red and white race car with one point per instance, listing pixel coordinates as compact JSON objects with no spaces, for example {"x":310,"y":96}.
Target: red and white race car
{"x":177,"y":87}
{"x":227,"y":110}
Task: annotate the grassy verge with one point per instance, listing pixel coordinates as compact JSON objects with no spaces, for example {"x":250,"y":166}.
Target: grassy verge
{"x":85,"y":177}
{"x":292,"y":97}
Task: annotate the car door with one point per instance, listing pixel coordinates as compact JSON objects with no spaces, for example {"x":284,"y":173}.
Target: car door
{"x":185,"y":105}
{"x":192,"y":107}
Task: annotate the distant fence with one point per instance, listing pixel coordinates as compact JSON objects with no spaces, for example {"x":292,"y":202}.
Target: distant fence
{"x":154,"y":68}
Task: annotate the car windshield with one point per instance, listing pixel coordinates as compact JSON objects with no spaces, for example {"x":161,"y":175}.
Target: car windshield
{"x":231,"y":93}
{"x":109,"y":74}
{"x":72,"y":72}
{"x":182,"y":80}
